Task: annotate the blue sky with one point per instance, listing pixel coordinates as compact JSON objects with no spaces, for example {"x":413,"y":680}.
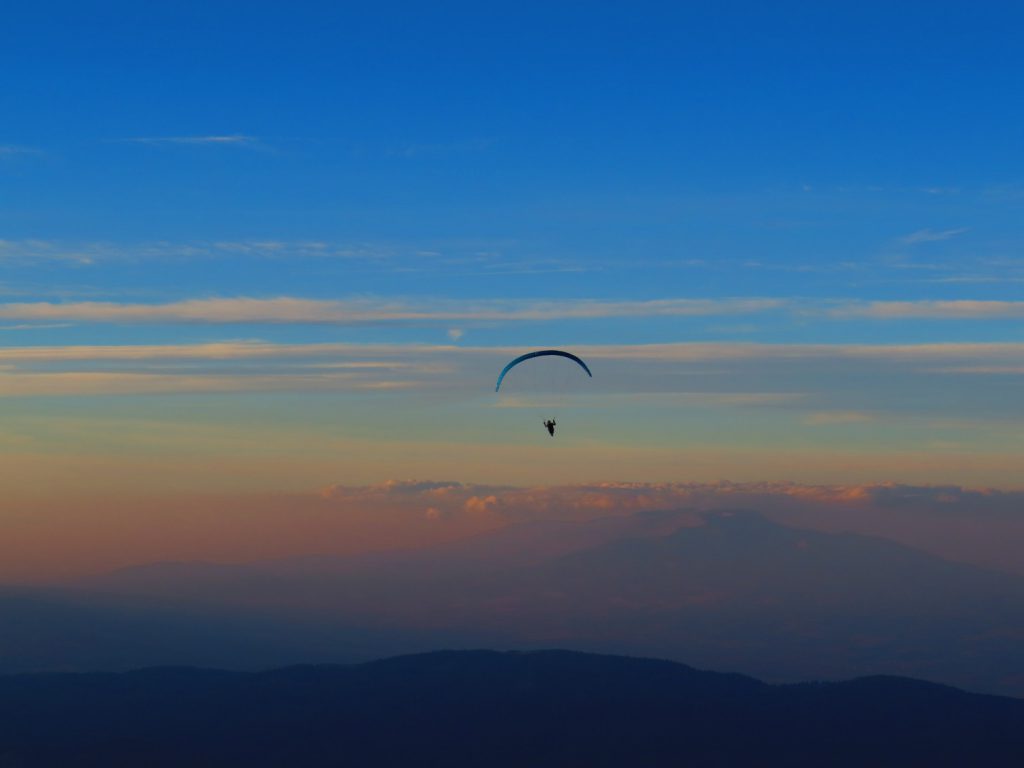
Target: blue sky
{"x":826,"y":184}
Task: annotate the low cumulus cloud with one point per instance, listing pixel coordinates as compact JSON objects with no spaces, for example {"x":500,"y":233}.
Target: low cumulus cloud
{"x":975,"y":525}
{"x":623,"y":498}
{"x":980,"y":525}
{"x":585,"y":501}
{"x":512,"y":504}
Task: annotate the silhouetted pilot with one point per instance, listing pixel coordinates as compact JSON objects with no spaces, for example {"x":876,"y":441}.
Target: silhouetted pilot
{"x":550,"y":425}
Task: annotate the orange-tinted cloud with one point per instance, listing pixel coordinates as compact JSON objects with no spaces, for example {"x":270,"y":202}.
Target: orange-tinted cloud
{"x":53,"y":538}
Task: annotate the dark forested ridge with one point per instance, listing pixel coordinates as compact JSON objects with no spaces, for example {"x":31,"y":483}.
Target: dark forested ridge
{"x":475,"y":708}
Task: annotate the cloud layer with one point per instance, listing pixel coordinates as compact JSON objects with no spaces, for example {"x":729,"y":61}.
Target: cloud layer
{"x":234,"y":139}
{"x":296,"y":310}
{"x":977,"y":525}
{"x":710,"y":372}
{"x":288,"y":309}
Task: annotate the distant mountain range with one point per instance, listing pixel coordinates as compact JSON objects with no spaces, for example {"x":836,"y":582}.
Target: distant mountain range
{"x":726,"y":590}
{"x":482,"y":708}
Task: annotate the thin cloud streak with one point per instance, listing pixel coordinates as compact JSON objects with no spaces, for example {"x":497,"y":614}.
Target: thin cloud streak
{"x":826,"y":418}
{"x":236,"y":139}
{"x":12,"y":151}
{"x":931,"y":236}
{"x":681,"y":399}
{"x":33,"y":250}
{"x":700,"y":351}
{"x":102,"y":383}
{"x":801,"y":376}
{"x":963,"y":309}
{"x":986,"y":370}
{"x":295,"y":310}
{"x":288,"y":309}
{"x":34,"y":326}
{"x":670,"y":352}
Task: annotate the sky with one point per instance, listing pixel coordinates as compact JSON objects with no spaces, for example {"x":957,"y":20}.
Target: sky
{"x":273,"y":249}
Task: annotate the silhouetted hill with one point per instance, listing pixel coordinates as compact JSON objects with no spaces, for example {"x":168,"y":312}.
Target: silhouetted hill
{"x":482,"y":708}
{"x":727,"y":590}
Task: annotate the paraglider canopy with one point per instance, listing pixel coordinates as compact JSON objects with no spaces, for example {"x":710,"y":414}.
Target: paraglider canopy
{"x":540,"y":353}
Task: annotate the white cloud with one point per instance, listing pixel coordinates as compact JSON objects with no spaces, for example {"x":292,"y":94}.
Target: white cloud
{"x":671,"y":352}
{"x":33,"y":326}
{"x":117,"y":383}
{"x":660,"y":399}
{"x":289,"y":309}
{"x":963,"y":309}
{"x":12,"y":151}
{"x":235,"y":139}
{"x":1007,"y":370}
{"x":28,"y":250}
{"x":34,"y":250}
{"x":296,"y":310}
{"x":824,"y":418}
{"x":931,"y":236}
{"x":724,"y":351}
{"x":241,"y":365}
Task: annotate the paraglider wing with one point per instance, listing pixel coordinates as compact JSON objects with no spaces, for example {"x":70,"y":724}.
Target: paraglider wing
{"x":541,"y":353}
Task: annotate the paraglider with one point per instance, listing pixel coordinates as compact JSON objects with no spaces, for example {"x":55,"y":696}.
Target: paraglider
{"x":540,"y":353}
{"x":545,"y":378}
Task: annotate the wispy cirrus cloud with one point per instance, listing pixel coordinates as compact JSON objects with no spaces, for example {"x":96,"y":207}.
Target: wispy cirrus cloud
{"x":135,"y":383}
{"x":11,"y":151}
{"x":214,"y":140}
{"x":825,"y":418}
{"x":45,"y":251}
{"x":986,"y":370}
{"x":932,"y":235}
{"x":31,"y":250}
{"x":228,"y":350}
{"x":414,"y":150}
{"x":1008,"y":352}
{"x":977,"y":279}
{"x":33,"y":326}
{"x":725,"y":351}
{"x":364,"y":310}
{"x":800,"y":383}
{"x":962,"y":309}
{"x":677,"y":399}
{"x":297,"y":310}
